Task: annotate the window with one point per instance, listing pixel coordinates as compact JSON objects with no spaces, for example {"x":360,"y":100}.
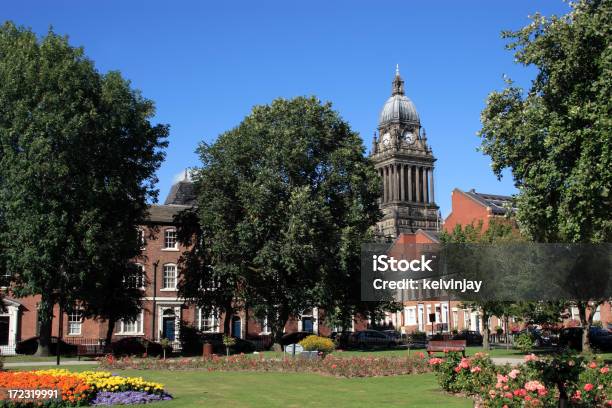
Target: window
{"x":169,"y":281}
{"x":141,"y":238}
{"x":75,"y":319}
{"x":131,"y":326}
{"x":410,"y":315}
{"x":207,"y":322}
{"x":5,"y":279}
{"x":265,"y":328}
{"x":170,"y":239}
{"x":136,"y":279}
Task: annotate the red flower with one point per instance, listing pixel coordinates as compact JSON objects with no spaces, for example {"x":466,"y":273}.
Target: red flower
{"x":588,"y":387}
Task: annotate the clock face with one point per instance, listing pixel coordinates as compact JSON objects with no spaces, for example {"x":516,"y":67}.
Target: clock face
{"x":386,"y":139}
{"x":408,"y":136}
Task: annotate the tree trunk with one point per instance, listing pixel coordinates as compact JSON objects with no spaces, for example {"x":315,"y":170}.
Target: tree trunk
{"x":109,"y":333}
{"x":485,"y":329}
{"x":45,"y":319}
{"x":587,"y":322}
{"x":278,"y":328}
{"x":227,"y":319}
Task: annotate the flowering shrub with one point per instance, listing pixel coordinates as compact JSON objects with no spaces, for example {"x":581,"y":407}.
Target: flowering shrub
{"x":127,"y":398}
{"x":81,"y":389}
{"x":329,"y":365}
{"x":105,"y":381}
{"x":464,"y":375}
{"x":318,"y":343}
{"x":74,"y":390}
{"x":594,"y":386}
{"x":517,"y":387}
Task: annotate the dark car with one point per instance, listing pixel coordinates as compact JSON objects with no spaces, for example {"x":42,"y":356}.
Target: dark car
{"x":371,"y":339}
{"x":471,"y":337}
{"x":216,"y":340}
{"x":571,"y":337}
{"x":128,"y":346}
{"x":341,"y":338}
{"x":29,"y":346}
{"x":540,"y":339}
{"x":294,"y":337}
{"x":394,"y":334}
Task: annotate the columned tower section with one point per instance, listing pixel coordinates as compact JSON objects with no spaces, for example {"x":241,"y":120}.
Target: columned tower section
{"x":405,"y":163}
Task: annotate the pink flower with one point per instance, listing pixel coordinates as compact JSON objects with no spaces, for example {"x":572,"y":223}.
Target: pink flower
{"x":492,"y":393}
{"x":512,"y":374}
{"x":520,"y":392}
{"x":465,"y":363}
{"x":588,"y":387}
{"x":508,"y":395}
{"x":334,"y":366}
{"x":475,"y":369}
{"x":531,"y":357}
{"x":604,"y":370}
{"x":534,"y":386}
{"x":457,"y":369}
{"x":593,"y":364}
{"x":435,"y":361}
{"x":502,"y":378}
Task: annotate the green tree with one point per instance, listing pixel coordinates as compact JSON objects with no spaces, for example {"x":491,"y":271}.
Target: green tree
{"x":555,"y":137}
{"x":285,"y":200}
{"x":78,"y":156}
{"x":498,"y":231}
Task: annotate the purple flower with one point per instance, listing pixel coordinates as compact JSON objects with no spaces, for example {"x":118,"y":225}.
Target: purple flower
{"x":128,"y":398}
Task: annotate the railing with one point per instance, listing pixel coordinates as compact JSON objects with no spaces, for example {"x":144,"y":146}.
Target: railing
{"x":81,"y":341}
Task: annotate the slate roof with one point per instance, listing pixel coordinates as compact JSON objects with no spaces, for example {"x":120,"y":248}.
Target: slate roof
{"x":164,"y":214}
{"x":499,"y":204}
{"x":181,"y":193}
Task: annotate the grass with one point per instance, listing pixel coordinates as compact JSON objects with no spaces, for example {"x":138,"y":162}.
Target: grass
{"x":287,"y":390}
{"x":31,"y":359}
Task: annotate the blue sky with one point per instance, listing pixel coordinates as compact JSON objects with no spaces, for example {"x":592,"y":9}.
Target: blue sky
{"x":205,"y":64}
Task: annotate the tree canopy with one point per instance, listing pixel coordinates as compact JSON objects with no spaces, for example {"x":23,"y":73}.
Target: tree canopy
{"x":555,"y":136}
{"x":78,"y":156}
{"x":285,"y":200}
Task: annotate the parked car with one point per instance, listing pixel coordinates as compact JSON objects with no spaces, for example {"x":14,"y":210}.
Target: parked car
{"x":128,"y":346}
{"x":571,"y":337}
{"x":540,"y":339}
{"x":471,"y":337}
{"x":294,"y":337}
{"x":394,"y":334}
{"x":371,"y":339}
{"x":341,"y":338}
{"x":29,"y":346}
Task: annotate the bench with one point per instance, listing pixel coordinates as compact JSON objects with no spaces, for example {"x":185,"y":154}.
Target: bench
{"x":434,"y":346}
{"x":89,"y":350}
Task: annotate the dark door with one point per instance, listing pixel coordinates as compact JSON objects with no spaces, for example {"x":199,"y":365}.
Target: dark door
{"x":4,"y":330}
{"x":168,"y":328}
{"x":236,"y":327}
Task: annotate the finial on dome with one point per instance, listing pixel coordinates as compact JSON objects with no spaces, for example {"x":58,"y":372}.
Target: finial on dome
{"x":398,"y":83}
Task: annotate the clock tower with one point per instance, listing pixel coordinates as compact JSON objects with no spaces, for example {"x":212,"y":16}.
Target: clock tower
{"x":405,"y":164}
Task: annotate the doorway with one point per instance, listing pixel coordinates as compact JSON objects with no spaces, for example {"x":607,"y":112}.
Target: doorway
{"x":168,"y":325}
{"x":236,"y":327}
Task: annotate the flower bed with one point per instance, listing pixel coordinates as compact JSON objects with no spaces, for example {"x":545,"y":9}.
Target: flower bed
{"x":326,"y":365}
{"x":84,"y":388}
{"x":540,"y":382}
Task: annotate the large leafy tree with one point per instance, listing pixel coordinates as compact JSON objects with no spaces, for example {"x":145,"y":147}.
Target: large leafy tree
{"x":555,"y":137}
{"x":78,"y":156}
{"x":499,"y":231}
{"x":285,"y":200}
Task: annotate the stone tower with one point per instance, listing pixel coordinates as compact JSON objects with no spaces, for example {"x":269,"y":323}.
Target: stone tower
{"x":405,"y":163}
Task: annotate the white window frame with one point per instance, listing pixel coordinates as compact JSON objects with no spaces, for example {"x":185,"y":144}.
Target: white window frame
{"x":140,"y":279}
{"x":139,"y":321}
{"x":411,"y":312}
{"x":75,"y":321}
{"x":265,"y":327}
{"x":142,"y":239}
{"x":165,"y":246}
{"x":169,"y":288}
{"x":213,"y":319}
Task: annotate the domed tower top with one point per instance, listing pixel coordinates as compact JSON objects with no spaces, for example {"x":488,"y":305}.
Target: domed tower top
{"x":398,"y":108}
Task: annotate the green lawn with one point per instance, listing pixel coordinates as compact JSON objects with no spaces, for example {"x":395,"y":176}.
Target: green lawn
{"x":242,"y":389}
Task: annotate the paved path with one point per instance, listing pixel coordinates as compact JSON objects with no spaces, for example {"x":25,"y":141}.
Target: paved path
{"x":507,"y":360}
{"x":49,"y":363}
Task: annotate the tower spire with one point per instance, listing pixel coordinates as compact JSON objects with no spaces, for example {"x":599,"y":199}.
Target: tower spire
{"x":398,"y":83}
